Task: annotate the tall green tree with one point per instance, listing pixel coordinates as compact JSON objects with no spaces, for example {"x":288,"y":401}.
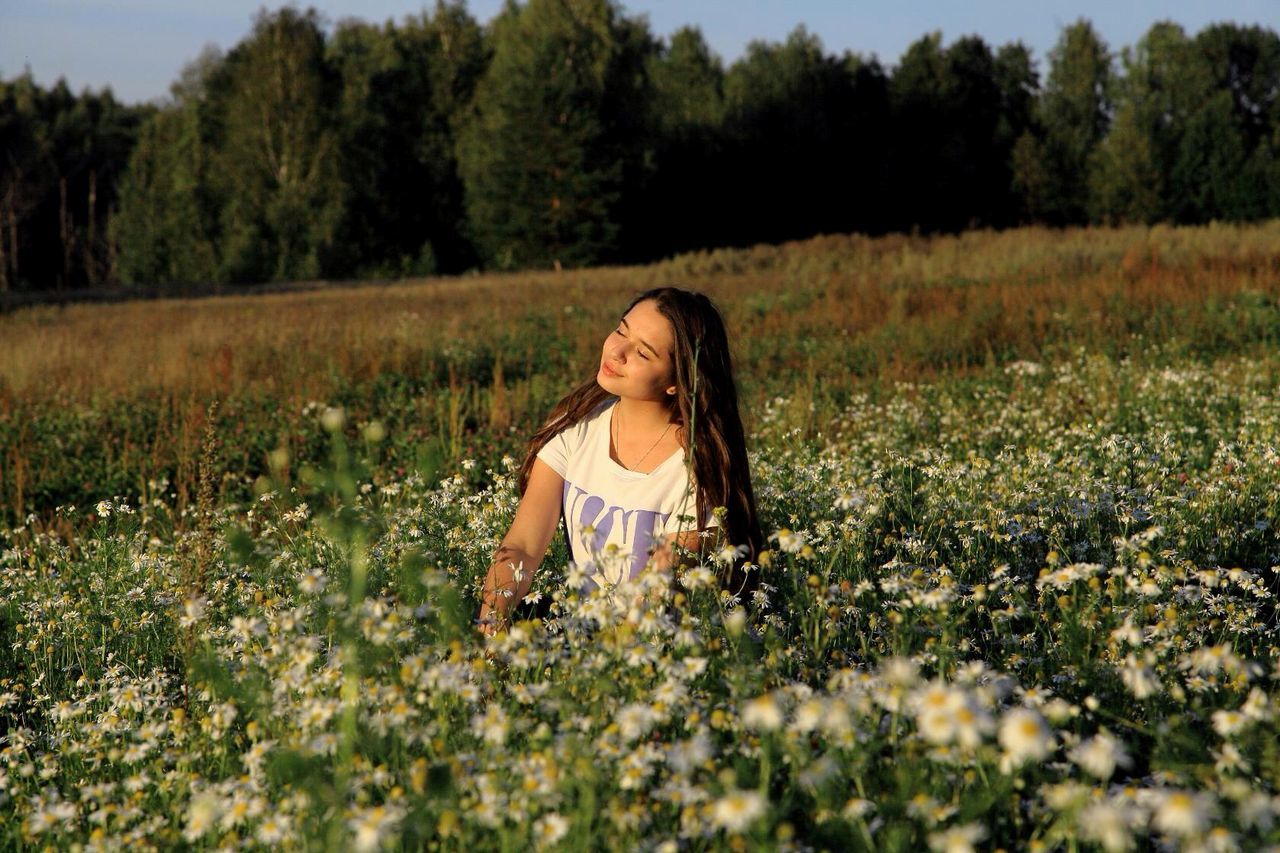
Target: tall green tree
{"x":951,"y":167}
{"x":1075,"y":112}
{"x":1213,"y":175}
{"x":59,"y":162}
{"x":404,"y":88}
{"x":21,"y":177}
{"x":557,"y":128}
{"x":1019,"y":85}
{"x":1226,"y":163}
{"x":1163,"y":84}
{"x":1125,"y":182}
{"x":277,"y":165}
{"x":166,"y":228}
{"x":795,"y":136}
{"x":682,"y":203}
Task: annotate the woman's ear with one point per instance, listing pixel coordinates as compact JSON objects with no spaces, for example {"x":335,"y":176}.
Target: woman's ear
{"x":671,"y":392}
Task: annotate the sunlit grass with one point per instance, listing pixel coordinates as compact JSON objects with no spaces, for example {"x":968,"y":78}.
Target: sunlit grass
{"x":1018,"y":595}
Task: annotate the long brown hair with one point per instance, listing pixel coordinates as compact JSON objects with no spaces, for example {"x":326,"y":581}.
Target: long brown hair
{"x":706,"y":406}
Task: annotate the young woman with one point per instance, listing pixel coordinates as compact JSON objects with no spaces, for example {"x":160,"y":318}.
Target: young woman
{"x":637,"y":460}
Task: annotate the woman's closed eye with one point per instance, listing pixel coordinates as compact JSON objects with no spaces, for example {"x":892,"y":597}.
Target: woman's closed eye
{"x":618,"y":331}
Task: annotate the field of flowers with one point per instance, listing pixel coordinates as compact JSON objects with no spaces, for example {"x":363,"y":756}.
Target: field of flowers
{"x":1030,"y":606}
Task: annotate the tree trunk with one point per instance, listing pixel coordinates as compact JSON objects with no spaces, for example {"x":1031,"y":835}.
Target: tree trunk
{"x":64,"y":230}
{"x":4,"y":256}
{"x":91,"y":261}
{"x":13,"y":242}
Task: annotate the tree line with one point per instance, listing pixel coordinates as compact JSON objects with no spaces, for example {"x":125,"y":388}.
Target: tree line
{"x":565,"y":133}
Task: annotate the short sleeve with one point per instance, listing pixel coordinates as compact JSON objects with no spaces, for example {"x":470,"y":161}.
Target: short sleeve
{"x":561,"y":446}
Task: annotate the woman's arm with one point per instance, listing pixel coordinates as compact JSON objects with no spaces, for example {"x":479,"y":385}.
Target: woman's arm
{"x":523,"y":547}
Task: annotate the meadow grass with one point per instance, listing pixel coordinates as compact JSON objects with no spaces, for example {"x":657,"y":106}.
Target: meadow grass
{"x":1020,"y":588}
{"x":111,"y":399}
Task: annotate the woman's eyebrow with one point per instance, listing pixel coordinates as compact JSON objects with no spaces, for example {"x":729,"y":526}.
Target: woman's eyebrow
{"x":645,"y":343}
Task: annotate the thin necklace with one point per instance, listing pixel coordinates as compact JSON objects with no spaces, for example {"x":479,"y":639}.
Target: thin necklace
{"x":617,"y":442}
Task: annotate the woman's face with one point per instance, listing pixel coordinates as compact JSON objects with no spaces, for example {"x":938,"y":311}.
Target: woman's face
{"x":638,"y":357}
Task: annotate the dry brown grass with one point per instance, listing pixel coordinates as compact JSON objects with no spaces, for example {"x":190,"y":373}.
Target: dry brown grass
{"x":1011,"y":287}
{"x":807,"y":317}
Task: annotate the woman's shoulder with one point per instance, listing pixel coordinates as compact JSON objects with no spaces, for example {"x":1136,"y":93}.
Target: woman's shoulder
{"x":574,"y":433}
{"x":594,"y":417}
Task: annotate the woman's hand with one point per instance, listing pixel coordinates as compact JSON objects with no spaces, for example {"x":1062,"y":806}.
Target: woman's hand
{"x":522,"y":549}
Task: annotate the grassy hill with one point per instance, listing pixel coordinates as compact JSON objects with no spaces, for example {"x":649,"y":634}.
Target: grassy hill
{"x":103,"y":400}
{"x":1021,"y":491}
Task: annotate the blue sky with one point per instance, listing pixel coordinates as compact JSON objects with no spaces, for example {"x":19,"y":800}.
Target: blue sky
{"x":139,"y":46}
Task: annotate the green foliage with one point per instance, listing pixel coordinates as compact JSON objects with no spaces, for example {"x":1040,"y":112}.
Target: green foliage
{"x":546,"y":150}
{"x":404,"y":89}
{"x":277,"y":165}
{"x":62,"y":157}
{"x":1074,"y":115}
{"x":1124,"y":175}
{"x":166,"y":229}
{"x":955,"y":116}
{"x":999,"y":607}
{"x":688,"y":84}
{"x":565,"y":133}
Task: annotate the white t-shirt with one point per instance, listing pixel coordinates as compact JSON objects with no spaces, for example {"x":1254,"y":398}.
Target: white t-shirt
{"x":615,"y":515}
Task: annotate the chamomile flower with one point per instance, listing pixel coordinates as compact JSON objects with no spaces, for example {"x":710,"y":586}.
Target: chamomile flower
{"x":736,"y":811}
{"x":1025,"y":736}
{"x":1183,"y":813}
{"x":957,"y":839}
{"x":1100,"y":755}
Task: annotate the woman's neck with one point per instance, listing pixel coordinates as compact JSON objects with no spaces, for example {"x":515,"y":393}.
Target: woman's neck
{"x":644,"y":416}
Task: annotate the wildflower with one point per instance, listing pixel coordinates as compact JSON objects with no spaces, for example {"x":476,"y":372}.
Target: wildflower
{"x":735,"y":622}
{"x":371,"y":826}
{"x":549,"y":829}
{"x":1100,"y":755}
{"x":333,"y":418}
{"x":1139,"y":678}
{"x":1183,"y":813}
{"x":273,"y":829}
{"x":900,"y":671}
{"x":809,"y":715}
{"x":192,"y":611}
{"x":312,"y":582}
{"x":47,"y":816}
{"x":1110,"y":824}
{"x":104,"y":509}
{"x":1228,"y":758}
{"x":957,"y":839}
{"x":1256,"y":809}
{"x":1221,"y":840}
{"x":1025,"y":736}
{"x":1127,"y":633}
{"x":850,"y":500}
{"x":635,"y":720}
{"x":736,"y":811}
{"x":729,"y":554}
{"x":1227,"y":723}
{"x":202,"y":814}
{"x":791,"y":542}
{"x":1257,"y":706}
{"x":929,"y":810}
{"x":763,"y":713}
{"x":857,"y":808}
{"x":687,"y":755}
{"x":492,"y":725}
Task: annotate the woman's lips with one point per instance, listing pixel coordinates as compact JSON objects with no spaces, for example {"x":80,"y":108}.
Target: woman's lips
{"x":608,"y":370}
